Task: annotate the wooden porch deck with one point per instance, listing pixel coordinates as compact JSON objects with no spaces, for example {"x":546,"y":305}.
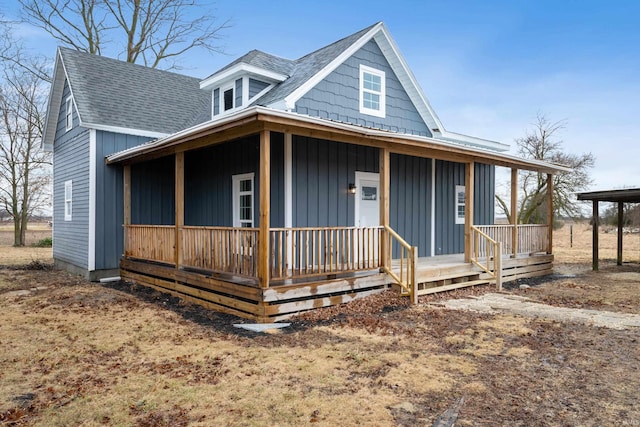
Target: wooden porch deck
{"x":246,"y":299}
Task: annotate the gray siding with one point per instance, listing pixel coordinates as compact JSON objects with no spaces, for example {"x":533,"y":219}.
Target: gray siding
{"x":337,"y":96}
{"x":238,"y":93}
{"x":410,"y":200}
{"x":322,"y":171}
{"x":71,"y":162}
{"x":255,"y":87}
{"x":153,"y":192}
{"x":109,"y":198}
{"x":449,"y":235}
{"x":208,"y":181}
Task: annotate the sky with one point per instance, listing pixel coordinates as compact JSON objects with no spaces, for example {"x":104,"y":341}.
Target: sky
{"x":486,"y":67}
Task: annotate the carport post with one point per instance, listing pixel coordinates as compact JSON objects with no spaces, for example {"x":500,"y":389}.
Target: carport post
{"x":620,"y":224}
{"x":596,"y":214}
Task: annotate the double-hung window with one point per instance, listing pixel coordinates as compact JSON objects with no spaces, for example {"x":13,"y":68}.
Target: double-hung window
{"x":243,"y":200}
{"x":460,"y":204}
{"x":227,"y":98}
{"x":372,"y":91}
{"x":68,"y":200}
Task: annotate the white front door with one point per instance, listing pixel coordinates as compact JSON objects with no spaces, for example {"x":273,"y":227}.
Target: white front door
{"x":367,"y":206}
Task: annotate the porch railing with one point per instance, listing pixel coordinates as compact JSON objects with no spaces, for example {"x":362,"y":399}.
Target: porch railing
{"x":407,"y":260}
{"x":151,"y":242}
{"x":486,"y":253}
{"x":315,"y":251}
{"x":531,"y":238}
{"x":221,"y":249}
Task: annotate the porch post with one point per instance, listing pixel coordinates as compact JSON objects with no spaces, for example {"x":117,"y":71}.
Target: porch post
{"x":620,"y":224}
{"x":385,"y":250}
{"x":265,"y":204}
{"x":550,"y":211}
{"x":127,"y":205}
{"x":179,"y":205}
{"x":596,"y":223}
{"x":469,"y":185}
{"x":514,"y":212}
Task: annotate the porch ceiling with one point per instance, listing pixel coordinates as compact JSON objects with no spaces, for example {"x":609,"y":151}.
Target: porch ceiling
{"x":252,"y":120}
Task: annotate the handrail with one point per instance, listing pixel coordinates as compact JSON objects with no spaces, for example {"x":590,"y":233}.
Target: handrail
{"x":493,"y":252}
{"x":408,"y":258}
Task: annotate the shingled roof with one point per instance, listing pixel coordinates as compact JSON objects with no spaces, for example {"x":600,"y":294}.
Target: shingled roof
{"x":109,"y":93}
{"x":308,"y":66}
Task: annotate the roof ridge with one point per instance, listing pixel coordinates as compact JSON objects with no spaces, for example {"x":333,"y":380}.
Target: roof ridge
{"x":362,"y":31}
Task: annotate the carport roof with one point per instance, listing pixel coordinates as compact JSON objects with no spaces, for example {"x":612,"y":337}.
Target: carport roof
{"x":630,"y":195}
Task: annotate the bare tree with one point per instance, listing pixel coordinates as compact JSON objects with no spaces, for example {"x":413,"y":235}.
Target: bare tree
{"x":542,"y":144}
{"x":155,"y":32}
{"x":24,"y":166}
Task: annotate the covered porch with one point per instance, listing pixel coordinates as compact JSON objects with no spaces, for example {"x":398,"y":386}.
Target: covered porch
{"x":267,"y":273}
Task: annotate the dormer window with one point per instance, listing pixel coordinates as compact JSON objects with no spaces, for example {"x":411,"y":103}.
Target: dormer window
{"x":372,"y":91}
{"x":227,"y":99}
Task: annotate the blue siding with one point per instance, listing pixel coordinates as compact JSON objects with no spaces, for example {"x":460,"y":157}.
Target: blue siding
{"x":153,"y":192}
{"x":410,"y":200}
{"x":449,"y":235}
{"x":337,"y":96}
{"x":208,"y":181}
{"x":238,"y":93}
{"x":109,"y":198}
{"x":322,"y":171}
{"x":255,"y":87}
{"x":71,"y":162}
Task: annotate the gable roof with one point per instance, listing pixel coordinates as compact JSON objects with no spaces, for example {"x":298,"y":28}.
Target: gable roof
{"x":109,"y":94}
{"x":311,"y":69}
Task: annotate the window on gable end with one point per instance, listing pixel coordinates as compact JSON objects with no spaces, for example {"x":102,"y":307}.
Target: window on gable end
{"x":372,"y":91}
{"x":69,"y":114}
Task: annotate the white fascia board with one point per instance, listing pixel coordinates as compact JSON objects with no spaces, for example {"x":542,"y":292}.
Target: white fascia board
{"x":399,"y":65}
{"x":242,"y":69}
{"x":472,"y":140}
{"x":91,"y":253}
{"x":123,"y":130}
{"x":293,"y":97}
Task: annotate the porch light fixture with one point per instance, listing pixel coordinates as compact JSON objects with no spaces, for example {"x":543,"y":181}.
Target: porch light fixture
{"x":352,"y":188}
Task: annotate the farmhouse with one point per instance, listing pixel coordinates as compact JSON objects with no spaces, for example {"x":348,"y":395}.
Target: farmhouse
{"x":276,"y":185}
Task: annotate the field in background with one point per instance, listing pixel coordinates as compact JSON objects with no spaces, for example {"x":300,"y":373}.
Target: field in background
{"x":15,"y":256}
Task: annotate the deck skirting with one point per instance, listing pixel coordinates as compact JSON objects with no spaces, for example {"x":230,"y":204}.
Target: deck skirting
{"x":247,"y":300}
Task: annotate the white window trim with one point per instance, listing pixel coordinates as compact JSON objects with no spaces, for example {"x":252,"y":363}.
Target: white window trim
{"x":459,"y":219}
{"x":68,"y":118}
{"x":68,"y":200}
{"x":236,"y":197}
{"x":364,"y":110}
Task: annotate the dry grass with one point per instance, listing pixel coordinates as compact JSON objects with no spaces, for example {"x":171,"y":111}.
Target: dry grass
{"x":24,"y":255}
{"x":76,"y":353}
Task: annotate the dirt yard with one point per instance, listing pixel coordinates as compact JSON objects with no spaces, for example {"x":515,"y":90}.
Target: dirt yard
{"x":77,"y":353}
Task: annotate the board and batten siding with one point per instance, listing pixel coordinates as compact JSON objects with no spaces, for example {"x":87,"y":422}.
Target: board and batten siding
{"x":71,"y":162}
{"x":153,"y":192}
{"x":109,"y":238}
{"x":410,"y":200}
{"x":337,"y":96}
{"x":449,"y":235}
{"x":208,"y":181}
{"x":322,"y":171}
